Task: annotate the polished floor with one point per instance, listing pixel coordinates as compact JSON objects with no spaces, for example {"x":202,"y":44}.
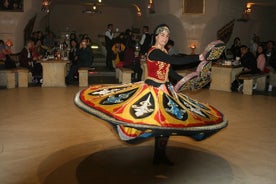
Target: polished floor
{"x":46,"y":139}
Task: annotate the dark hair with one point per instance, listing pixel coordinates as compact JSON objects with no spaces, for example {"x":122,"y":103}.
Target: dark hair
{"x":271,"y":41}
{"x":155,"y":32}
{"x":244,"y":46}
{"x":146,"y":27}
{"x":170,"y":42}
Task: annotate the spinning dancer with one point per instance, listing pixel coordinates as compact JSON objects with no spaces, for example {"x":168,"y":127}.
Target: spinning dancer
{"x":154,"y":108}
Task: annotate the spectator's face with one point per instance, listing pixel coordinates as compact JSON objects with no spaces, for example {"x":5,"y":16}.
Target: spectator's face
{"x":73,"y":43}
{"x":243,"y":50}
{"x":30,"y":45}
{"x":269,"y":45}
{"x":260,"y":49}
{"x":84,"y":43}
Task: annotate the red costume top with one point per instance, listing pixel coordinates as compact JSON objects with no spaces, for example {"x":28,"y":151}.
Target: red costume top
{"x":158,"y":70}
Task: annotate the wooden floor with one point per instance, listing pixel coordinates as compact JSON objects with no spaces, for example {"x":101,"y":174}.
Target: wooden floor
{"x":45,"y":138}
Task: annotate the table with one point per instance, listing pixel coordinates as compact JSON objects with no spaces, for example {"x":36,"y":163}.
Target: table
{"x":54,"y":73}
{"x":223,"y":76}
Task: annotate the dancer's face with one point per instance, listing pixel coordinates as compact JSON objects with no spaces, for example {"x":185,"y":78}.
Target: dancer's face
{"x":162,"y":38}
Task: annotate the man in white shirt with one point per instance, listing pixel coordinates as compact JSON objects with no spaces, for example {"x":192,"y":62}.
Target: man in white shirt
{"x":145,"y":41}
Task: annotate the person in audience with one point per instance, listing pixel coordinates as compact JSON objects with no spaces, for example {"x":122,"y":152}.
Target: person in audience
{"x":255,"y":42}
{"x":235,"y":48}
{"x":118,"y":52}
{"x":145,"y":41}
{"x":171,"y":48}
{"x":108,"y":45}
{"x":85,"y":59}
{"x":73,"y":36}
{"x":132,"y":62}
{"x":5,"y":52}
{"x":49,"y":40}
{"x":261,"y":59}
{"x":26,"y":60}
{"x":271,"y":61}
{"x":40,"y":36}
{"x":128,"y":37}
{"x":39,"y":50}
{"x":249,"y":63}
{"x":73,"y":52}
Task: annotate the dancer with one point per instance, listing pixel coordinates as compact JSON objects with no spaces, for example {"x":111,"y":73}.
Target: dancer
{"x":154,"y":108}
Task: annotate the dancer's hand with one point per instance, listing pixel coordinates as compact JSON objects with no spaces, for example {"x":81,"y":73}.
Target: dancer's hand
{"x":212,"y":51}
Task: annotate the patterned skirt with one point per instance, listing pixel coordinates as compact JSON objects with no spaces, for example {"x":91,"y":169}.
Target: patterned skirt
{"x":138,"y":111}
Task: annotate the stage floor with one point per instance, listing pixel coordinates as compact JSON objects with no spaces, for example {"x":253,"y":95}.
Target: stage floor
{"x":45,"y":138}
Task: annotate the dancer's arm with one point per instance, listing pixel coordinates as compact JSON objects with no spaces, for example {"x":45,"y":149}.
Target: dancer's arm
{"x":159,"y":55}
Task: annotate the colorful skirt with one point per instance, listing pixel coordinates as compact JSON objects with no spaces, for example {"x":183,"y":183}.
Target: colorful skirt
{"x":138,"y":111}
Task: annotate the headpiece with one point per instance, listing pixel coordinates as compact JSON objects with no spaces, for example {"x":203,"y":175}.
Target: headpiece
{"x":161,"y":29}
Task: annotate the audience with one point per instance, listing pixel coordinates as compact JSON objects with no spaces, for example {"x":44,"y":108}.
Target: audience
{"x":132,"y":62}
{"x":235,"y":48}
{"x":85,"y":58}
{"x":171,"y":48}
{"x":5,"y":52}
{"x":118,"y":52}
{"x":271,"y":61}
{"x":249,"y":63}
{"x":26,"y":60}
{"x":255,"y":42}
{"x":261,"y":60}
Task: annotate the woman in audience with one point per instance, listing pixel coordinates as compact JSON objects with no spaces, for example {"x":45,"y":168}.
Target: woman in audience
{"x":5,"y":52}
{"x":235,"y":48}
{"x":261,"y":60}
{"x":118,"y":50}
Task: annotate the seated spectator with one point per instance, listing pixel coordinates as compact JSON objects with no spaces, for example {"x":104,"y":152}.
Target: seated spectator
{"x":118,"y":52}
{"x":26,"y":60}
{"x":85,"y":59}
{"x":261,"y":60}
{"x":249,"y":64}
{"x":271,"y":61}
{"x":73,"y":52}
{"x":132,"y":62}
{"x":39,"y":51}
{"x":248,"y":61}
{"x":5,"y":52}
{"x":235,"y":48}
{"x":171,"y":48}
{"x":49,"y":40}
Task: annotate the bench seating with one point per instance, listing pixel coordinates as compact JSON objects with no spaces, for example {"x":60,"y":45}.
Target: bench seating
{"x":23,"y":77}
{"x":8,"y":78}
{"x":83,"y":76}
{"x":272,"y":78}
{"x":249,"y":80}
{"x":125,"y":75}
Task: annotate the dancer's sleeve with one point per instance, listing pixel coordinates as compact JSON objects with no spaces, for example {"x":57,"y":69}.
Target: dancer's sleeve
{"x":158,"y":55}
